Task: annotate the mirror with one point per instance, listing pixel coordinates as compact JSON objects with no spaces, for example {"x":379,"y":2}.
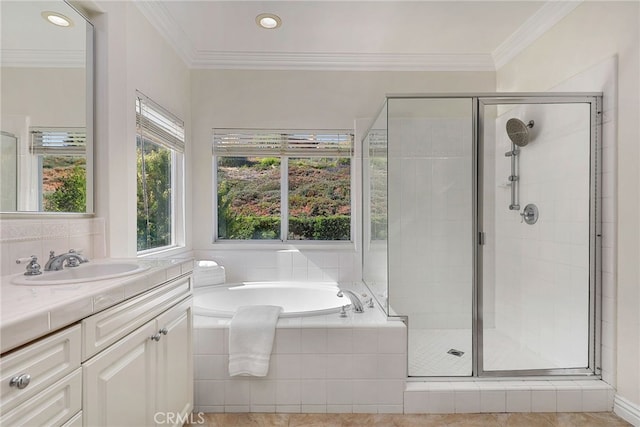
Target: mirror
{"x":46,"y":80}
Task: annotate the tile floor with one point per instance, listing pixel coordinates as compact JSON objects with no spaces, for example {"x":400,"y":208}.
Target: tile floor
{"x":428,"y":355}
{"x":592,"y":419}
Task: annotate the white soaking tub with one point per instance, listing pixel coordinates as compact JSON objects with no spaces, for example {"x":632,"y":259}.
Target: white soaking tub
{"x":297,"y":299}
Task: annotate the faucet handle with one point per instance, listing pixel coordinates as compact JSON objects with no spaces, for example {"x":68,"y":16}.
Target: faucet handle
{"x":52,"y":254}
{"x":33,"y":268}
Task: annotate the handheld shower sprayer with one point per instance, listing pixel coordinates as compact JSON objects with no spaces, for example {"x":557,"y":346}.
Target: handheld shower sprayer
{"x":518,"y":133}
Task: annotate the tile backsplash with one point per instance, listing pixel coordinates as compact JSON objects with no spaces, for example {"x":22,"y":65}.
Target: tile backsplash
{"x":20,"y":238}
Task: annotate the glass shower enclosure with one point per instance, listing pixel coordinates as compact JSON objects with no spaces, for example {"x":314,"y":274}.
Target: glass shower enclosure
{"x":481,"y":230}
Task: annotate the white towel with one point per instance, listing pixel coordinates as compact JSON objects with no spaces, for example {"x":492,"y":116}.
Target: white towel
{"x":251,"y":334}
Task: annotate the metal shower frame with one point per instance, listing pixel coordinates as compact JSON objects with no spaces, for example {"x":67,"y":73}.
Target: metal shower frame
{"x":479,"y":101}
{"x":594,"y":99}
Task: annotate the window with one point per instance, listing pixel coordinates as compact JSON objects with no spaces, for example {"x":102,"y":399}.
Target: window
{"x":61,"y":159}
{"x":160,"y":165}
{"x":283,"y":185}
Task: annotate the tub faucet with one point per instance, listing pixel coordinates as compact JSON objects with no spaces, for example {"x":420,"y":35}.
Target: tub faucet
{"x":355,"y":301}
{"x":56,"y":263}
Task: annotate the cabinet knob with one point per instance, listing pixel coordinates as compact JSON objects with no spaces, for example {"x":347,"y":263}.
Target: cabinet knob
{"x":156,"y":337}
{"x":163,"y":331}
{"x":20,"y":381}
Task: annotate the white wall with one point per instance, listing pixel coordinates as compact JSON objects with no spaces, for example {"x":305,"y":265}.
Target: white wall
{"x":297,"y":100}
{"x":48,"y":96}
{"x":593,"y":32}
{"x":131,"y":56}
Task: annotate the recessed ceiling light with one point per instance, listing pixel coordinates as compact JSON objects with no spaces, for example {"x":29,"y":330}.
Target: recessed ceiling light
{"x":268,"y":21}
{"x":57,"y":19}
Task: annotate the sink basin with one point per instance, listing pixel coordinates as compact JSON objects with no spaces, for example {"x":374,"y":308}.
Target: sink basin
{"x":88,"y":272}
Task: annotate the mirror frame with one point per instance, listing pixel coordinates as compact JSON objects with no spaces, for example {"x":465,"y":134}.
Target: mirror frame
{"x":89,"y":125}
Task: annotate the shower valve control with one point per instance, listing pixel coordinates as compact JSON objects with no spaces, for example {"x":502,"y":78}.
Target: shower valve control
{"x":530,"y":214}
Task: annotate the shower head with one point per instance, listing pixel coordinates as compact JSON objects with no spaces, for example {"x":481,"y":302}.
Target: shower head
{"x":518,"y":131}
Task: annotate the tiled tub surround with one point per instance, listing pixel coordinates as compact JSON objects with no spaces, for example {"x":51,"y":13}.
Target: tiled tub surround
{"x":29,"y":312}
{"x":319,"y":364}
{"x":340,"y":263}
{"x":328,"y":364}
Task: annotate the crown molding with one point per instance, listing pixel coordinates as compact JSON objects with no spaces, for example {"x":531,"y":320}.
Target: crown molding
{"x":158,"y":15}
{"x":160,"y":18}
{"x":341,"y":61}
{"x":539,"y":23}
{"x":43,"y":58}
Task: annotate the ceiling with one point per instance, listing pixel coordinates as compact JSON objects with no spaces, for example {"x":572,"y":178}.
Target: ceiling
{"x":446,"y":35}
{"x":353,"y":35}
{"x":28,"y":40}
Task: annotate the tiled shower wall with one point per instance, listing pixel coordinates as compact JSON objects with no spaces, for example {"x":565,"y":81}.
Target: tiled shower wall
{"x":20,"y":238}
{"x":542,"y":270}
{"x":603,"y":78}
{"x":555,"y":261}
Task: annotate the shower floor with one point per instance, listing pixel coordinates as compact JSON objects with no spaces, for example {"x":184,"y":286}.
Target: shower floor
{"x":428,"y":353}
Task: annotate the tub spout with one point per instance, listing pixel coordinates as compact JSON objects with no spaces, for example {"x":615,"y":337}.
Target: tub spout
{"x":355,"y":301}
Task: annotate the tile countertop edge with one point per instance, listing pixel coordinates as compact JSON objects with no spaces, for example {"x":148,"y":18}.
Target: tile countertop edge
{"x":56,"y":306}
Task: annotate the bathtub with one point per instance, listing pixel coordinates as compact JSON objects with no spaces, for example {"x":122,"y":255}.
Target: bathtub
{"x":296,"y":299}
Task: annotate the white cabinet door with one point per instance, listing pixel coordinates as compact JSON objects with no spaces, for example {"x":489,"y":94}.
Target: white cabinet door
{"x":120,"y":382}
{"x":175,"y":365}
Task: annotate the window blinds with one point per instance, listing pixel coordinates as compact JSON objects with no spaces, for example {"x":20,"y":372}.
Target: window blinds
{"x":58,"y":141}
{"x":299,"y":143}
{"x":158,"y":125}
{"x":377,"y":142}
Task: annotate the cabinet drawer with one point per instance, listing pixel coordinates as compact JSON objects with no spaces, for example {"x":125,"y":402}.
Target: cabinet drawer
{"x":54,"y":406}
{"x":45,"y":361}
{"x":76,"y":421}
{"x":105,"y":328}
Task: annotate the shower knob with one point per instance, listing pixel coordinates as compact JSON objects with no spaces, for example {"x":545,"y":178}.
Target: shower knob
{"x":530,"y":214}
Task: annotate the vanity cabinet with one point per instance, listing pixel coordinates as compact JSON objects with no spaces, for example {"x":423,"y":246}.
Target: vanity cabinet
{"x":144,"y":377}
{"x":128,"y":365}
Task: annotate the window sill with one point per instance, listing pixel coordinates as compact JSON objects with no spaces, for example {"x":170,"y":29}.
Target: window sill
{"x":282,"y":246}
{"x":164,"y":252}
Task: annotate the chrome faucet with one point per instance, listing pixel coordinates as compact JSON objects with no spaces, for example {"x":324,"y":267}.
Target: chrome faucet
{"x":56,"y":263}
{"x":355,"y":301}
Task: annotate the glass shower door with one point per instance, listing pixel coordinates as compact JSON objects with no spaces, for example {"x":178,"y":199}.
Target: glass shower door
{"x":538,"y":219}
{"x":430,"y":220}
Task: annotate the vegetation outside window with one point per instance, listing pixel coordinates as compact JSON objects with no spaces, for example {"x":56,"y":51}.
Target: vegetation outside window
{"x":160,"y":158}
{"x":283,"y":185}
{"x":61,"y":159}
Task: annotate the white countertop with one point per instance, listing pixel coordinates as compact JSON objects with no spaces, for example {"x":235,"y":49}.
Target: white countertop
{"x":30,"y":311}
